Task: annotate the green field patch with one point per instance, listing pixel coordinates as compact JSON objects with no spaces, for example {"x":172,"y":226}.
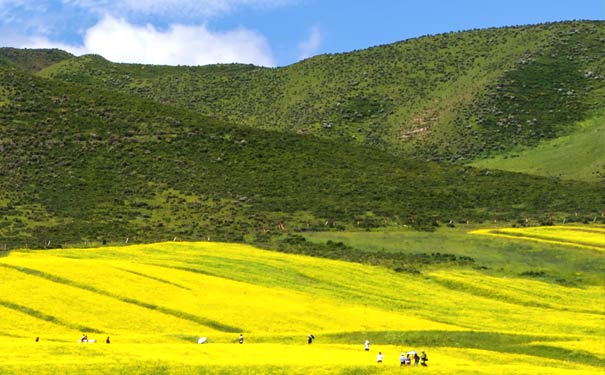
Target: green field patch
{"x":492,"y":255}
{"x":593,"y":238}
{"x":491,"y":293}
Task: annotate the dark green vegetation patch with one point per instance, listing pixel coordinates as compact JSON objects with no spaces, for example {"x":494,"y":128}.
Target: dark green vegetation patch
{"x":96,"y":151}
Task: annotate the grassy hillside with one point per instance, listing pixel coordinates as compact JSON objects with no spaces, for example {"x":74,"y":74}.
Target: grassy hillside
{"x":155,"y":301}
{"x":85,"y":164}
{"x":455,"y":97}
{"x":579,"y":155}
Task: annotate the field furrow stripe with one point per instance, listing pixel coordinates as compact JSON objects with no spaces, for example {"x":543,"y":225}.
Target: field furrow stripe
{"x":43,"y":316}
{"x":172,"y":312}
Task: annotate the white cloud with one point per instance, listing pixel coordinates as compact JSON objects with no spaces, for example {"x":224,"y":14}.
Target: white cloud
{"x":171,"y":8}
{"x":176,"y":33}
{"x":119,"y":41}
{"x":310,"y":46}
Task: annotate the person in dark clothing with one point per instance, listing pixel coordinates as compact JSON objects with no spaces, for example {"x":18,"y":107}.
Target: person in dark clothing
{"x":423,"y":359}
{"x":107,"y":340}
{"x":311,"y":338}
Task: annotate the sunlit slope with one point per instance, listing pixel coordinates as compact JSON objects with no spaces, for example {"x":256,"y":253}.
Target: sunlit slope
{"x":457,"y":96}
{"x":579,"y":155}
{"x":154,"y":301}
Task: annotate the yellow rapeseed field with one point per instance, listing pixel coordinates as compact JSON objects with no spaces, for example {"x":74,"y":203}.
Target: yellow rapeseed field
{"x":155,"y":302}
{"x":592,"y":237}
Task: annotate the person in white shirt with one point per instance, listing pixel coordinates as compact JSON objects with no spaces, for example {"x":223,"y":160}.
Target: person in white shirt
{"x":379,"y":357}
{"x":366,"y":345}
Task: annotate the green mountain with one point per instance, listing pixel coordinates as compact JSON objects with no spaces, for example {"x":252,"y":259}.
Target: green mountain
{"x":81,"y":163}
{"x":92,"y":150}
{"x":452,"y":97}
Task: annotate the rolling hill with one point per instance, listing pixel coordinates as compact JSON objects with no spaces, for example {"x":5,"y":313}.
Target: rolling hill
{"x":82,"y":164}
{"x":155,"y":301}
{"x":451,"y":97}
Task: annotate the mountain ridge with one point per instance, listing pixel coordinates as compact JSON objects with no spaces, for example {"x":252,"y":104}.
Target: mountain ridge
{"x":81,"y":163}
{"x":452,"y":97}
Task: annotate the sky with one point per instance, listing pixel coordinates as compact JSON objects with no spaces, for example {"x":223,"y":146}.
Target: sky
{"x":261,"y":32}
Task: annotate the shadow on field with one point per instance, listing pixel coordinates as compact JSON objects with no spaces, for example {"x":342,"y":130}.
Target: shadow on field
{"x":492,"y":341}
{"x":42,"y":316}
{"x":90,"y":288}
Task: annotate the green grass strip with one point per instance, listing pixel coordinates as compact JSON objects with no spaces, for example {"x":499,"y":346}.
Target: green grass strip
{"x":165,"y":310}
{"x":45,"y":317}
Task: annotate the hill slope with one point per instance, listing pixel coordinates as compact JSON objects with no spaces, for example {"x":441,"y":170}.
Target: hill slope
{"x":579,"y":155}
{"x":85,"y":164}
{"x":155,"y":301}
{"x":456,"y":97}
{"x":31,"y":60}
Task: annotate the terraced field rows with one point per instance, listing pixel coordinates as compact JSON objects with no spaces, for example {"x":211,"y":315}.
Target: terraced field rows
{"x":586,"y":237}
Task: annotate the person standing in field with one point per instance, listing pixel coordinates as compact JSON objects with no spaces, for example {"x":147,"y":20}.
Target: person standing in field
{"x":241,"y":338}
{"x":416,"y":359}
{"x":366,"y":346}
{"x":310,"y":338}
{"x":424,"y":358}
{"x":379,"y":357}
{"x":402,"y":359}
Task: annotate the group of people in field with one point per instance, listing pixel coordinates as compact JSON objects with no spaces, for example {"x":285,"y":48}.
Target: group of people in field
{"x":405,"y":359}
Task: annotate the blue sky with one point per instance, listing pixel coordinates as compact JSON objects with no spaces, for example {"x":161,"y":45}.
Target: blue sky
{"x":262,"y":32}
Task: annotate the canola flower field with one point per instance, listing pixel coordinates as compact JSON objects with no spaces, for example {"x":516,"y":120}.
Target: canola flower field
{"x":590,"y":237}
{"x":155,"y":301}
